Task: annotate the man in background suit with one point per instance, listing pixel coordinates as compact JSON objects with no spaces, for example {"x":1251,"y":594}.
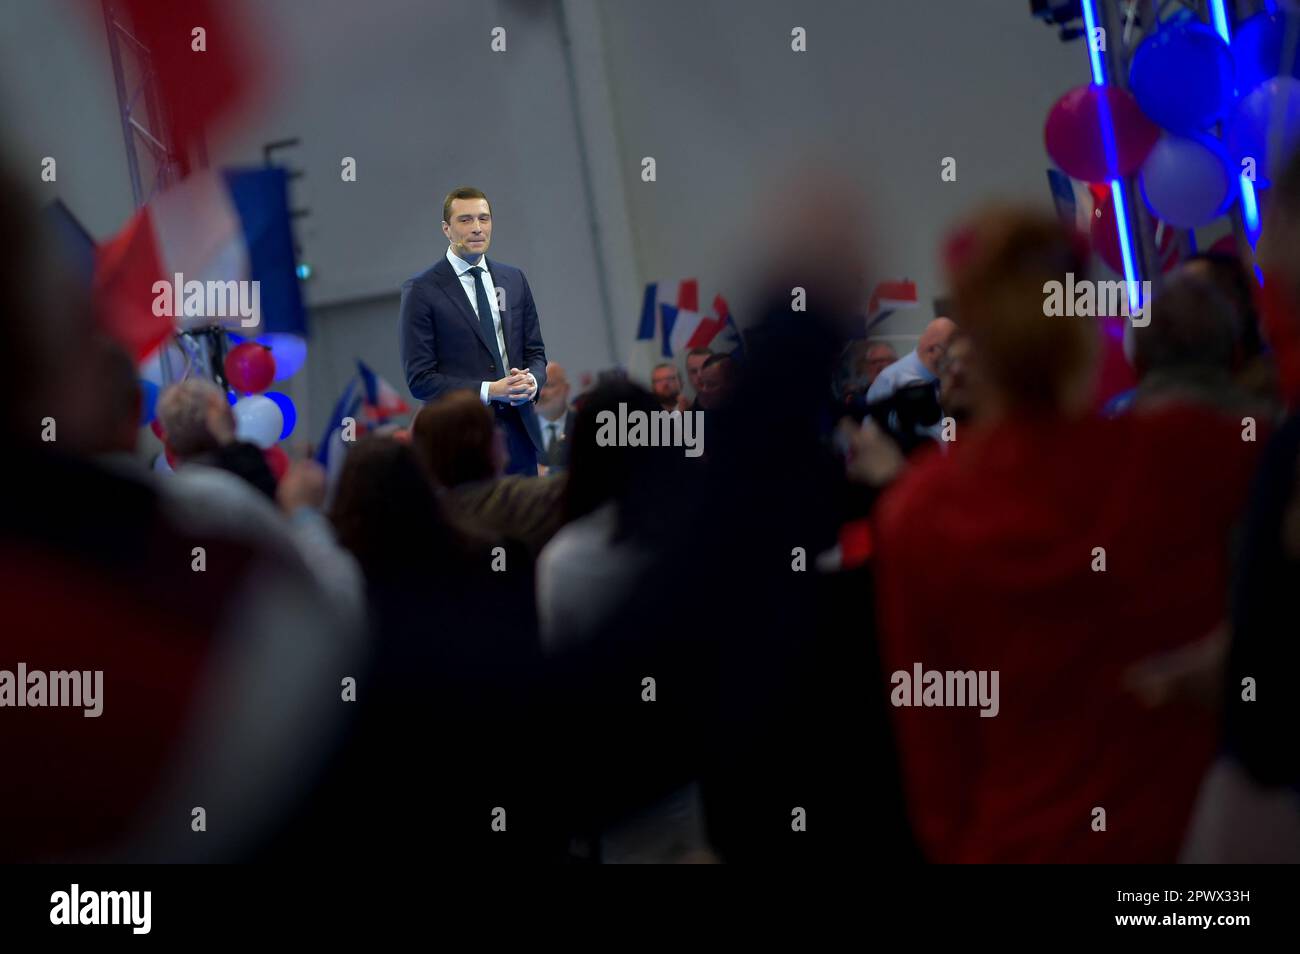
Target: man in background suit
{"x":555,"y":418}
{"x":469,"y":323}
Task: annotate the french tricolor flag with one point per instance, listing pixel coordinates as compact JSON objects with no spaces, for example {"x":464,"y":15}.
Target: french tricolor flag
{"x":382,"y":401}
{"x":726,"y":338}
{"x":673,"y":324}
{"x":684,"y":326}
{"x":212,"y":228}
{"x":888,"y":297}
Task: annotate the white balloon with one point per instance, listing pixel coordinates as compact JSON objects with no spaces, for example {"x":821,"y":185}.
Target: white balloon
{"x":258,"y":420}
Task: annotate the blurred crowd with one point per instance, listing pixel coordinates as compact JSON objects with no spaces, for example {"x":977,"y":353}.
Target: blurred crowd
{"x":641,"y":656}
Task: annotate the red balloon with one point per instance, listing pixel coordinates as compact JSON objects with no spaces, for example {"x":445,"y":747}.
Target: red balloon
{"x":1074,"y":138}
{"x":250,"y":367}
{"x":277,"y":460}
{"x":1105,"y":239}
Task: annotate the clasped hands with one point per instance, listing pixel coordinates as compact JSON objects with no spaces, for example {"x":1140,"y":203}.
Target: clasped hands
{"x":517,"y":387}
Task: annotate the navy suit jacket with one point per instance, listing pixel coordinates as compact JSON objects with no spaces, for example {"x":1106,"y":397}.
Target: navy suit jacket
{"x":444,"y":347}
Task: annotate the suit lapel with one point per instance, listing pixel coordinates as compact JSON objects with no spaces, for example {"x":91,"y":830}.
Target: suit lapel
{"x":453,"y":289}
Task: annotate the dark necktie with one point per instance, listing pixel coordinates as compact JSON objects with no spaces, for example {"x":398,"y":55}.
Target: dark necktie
{"x":550,"y":442}
{"x":485,"y":318}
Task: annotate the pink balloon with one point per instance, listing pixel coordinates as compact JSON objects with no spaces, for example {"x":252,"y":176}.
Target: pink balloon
{"x":1074,"y":133}
{"x":250,"y":367}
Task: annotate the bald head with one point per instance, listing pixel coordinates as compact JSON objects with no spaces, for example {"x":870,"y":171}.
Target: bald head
{"x":554,"y":399}
{"x":934,"y":341}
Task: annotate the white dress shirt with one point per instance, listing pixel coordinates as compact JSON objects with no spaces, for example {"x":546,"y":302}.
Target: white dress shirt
{"x":549,"y":437}
{"x":467,"y":280}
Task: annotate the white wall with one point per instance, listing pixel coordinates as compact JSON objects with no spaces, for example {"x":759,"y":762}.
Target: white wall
{"x":57,"y":99}
{"x":887,"y":88}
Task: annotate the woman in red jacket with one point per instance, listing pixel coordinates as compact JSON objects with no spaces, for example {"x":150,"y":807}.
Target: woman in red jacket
{"x":1056,"y":550}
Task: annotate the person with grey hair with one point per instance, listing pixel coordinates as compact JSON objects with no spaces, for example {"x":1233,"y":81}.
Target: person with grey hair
{"x":208,"y":701}
{"x":920,"y":365}
{"x":224,"y":484}
{"x":199,"y":427}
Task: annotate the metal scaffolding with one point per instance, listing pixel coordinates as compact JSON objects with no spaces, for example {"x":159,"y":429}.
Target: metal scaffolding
{"x":144,"y":120}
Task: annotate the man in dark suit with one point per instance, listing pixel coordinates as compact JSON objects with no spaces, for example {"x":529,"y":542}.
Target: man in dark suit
{"x":556,"y":418}
{"x":469,"y":323}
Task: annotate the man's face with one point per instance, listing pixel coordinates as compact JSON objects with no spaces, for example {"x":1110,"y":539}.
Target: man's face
{"x":554,"y":396}
{"x":221,"y":419}
{"x":933,"y":343}
{"x":665,"y":384}
{"x":715,"y":384}
{"x":954,"y":377}
{"x":470,"y":227}
{"x":694,"y":365}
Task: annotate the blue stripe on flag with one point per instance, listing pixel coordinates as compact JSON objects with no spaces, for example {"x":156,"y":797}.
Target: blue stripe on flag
{"x":348,"y":405}
{"x":669,"y":313}
{"x":261,"y":197}
{"x":370,"y":382}
{"x":646,"y":329}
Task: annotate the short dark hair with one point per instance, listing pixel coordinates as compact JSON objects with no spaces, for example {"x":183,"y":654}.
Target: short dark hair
{"x":461,"y":192}
{"x":386,"y":512}
{"x":1193,"y":325}
{"x":453,"y":437}
{"x":697,"y":351}
{"x":1229,"y":274}
{"x":664,"y":364}
{"x":716,"y":359}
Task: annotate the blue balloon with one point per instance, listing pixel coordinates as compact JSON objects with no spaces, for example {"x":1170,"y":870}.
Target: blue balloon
{"x":1257,"y":50}
{"x":289,"y":352}
{"x":287,"y":410}
{"x":1182,"y":77}
{"x":1187,"y":181}
{"x":1265,"y":128}
{"x":149,"y":403}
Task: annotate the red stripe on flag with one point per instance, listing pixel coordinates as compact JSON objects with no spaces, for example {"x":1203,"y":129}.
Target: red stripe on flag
{"x":898,"y":291}
{"x":126,"y":267}
{"x":704,"y":332}
{"x":688,"y":295}
{"x":720,"y":309}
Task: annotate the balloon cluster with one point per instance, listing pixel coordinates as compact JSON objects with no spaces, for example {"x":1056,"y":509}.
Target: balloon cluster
{"x":1184,"y":83}
{"x":264,"y":417}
